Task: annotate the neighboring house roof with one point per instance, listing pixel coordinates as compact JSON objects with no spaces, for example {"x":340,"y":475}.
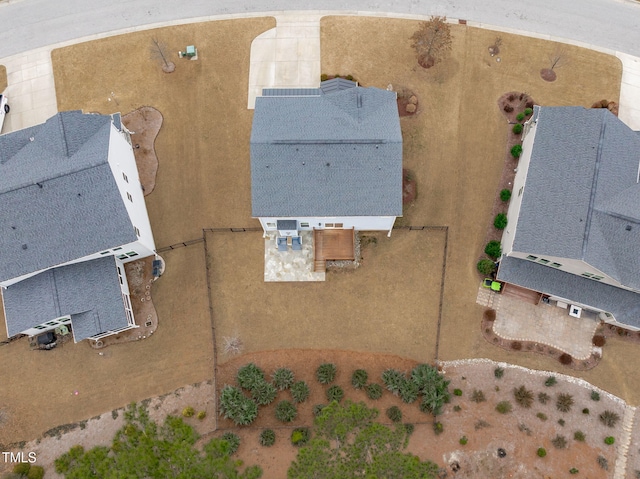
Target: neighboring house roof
{"x":88,"y":291}
{"x":622,"y":303}
{"x":58,"y":198}
{"x":329,"y":154}
{"x":582,"y":198}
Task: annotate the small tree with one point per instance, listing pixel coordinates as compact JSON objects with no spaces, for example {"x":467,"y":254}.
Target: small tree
{"x":160,"y":52}
{"x":432,"y":41}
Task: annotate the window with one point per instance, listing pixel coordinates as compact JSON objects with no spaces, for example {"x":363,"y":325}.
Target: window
{"x":304,"y":225}
{"x":339,"y":225}
{"x":125,"y":177}
{"x":271,"y":225}
{"x":119,"y":272}
{"x":40,"y":327}
{"x":587,"y":275}
{"x":556,"y":265}
{"x":130,"y":197}
{"x":597,"y":278}
{"x":122,"y":256}
{"x":66,"y":320}
{"x":117,"y":249}
{"x":51,"y":323}
{"x":543,"y":261}
{"x":131,"y":254}
{"x":104,"y":252}
{"x":135,"y":228}
{"x":532,"y":258}
{"x":120,"y":278}
{"x":328,"y":225}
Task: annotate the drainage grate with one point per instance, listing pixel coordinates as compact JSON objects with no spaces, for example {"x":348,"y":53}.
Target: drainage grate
{"x":148,"y":324}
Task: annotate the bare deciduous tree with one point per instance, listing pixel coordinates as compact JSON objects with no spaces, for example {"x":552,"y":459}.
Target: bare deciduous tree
{"x":558,"y":59}
{"x":432,"y":41}
{"x":159,"y":52}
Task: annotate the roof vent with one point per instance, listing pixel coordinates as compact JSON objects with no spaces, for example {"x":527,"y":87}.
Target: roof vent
{"x":628,"y":228}
{"x":13,"y":227}
{"x":31,"y":138}
{"x":328,"y":164}
{"x":24,"y":246}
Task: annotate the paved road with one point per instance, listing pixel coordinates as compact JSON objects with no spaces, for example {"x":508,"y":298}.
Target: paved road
{"x":29,"y":24}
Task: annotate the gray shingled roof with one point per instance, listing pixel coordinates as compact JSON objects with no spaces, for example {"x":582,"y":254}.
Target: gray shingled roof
{"x":336,"y":84}
{"x":58,"y":198}
{"x":623,"y":304}
{"x":337,"y":154}
{"x":581,"y":192}
{"x":89,"y":292}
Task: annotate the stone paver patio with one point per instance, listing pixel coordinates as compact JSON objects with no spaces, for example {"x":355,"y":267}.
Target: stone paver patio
{"x":290,"y":265}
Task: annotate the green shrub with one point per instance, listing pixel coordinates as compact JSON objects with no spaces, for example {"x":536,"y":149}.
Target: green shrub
{"x":374,"y":391}
{"x":22,"y":468}
{"x":324,"y":77}
{"x":551,"y":381}
{"x":543,"y":398}
{"x":457,"y":408}
{"x":283,"y":378}
{"x":595,"y":396}
{"x":267,"y":438}
{"x":236,"y":406}
{"x":300,"y":392}
{"x":393,"y":380}
{"x":585,"y":410}
{"x":523,"y":396}
{"x":517,"y":128}
{"x":564,"y":402}
{"x":541,"y":452}
{"x":505,"y":195}
{"x":335,"y":393}
{"x":463,"y":440}
{"x":493,"y":249}
{"x":359,"y":378}
{"x":520,"y":116}
{"x":516,"y":151}
{"x":528,"y":111}
{"x":317,"y":409}
{"x":394,"y":413}
{"x":561,"y":422}
{"x":300,"y":436}
{"x":542,"y":416}
{"x":609,"y":440}
{"x":438,"y":428}
{"x":201,"y":415}
{"x":249,"y":375}
{"x":263,"y":393}
{"x":559,"y":442}
{"x":326,"y":373}
{"x":477,"y":396}
{"x":609,"y":418}
{"x":408,"y":391}
{"x":486,"y":266}
{"x":36,"y":472}
{"x":233,"y":440}
{"x":603,"y":463}
{"x":457,"y":392}
{"x":504,"y":407}
{"x":573,"y":470}
{"x":286,"y":411}
{"x":498,"y":372}
{"x":188,"y":412}
{"x":579,"y":436}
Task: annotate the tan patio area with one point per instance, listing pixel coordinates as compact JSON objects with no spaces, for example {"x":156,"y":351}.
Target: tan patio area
{"x":290,"y":265}
{"x":543,"y":323}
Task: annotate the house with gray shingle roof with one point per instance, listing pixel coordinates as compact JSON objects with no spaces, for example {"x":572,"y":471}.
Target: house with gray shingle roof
{"x":73,"y":213}
{"x":326,"y":158}
{"x":573,"y":229}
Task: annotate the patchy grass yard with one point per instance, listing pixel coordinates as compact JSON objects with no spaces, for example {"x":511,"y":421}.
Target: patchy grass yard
{"x":388,"y":305}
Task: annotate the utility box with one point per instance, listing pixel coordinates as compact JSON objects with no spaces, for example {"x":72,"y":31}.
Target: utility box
{"x":191,"y":52}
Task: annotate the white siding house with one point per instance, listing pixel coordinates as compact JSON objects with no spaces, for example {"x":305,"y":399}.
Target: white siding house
{"x":73,"y":212}
{"x":326,"y":158}
{"x":573,"y":229}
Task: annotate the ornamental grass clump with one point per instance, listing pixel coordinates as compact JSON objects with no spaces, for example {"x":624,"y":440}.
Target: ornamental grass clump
{"x":236,"y":406}
{"x":523,"y":396}
{"x":326,"y":373}
{"x":359,"y":378}
{"x":564,"y":402}
{"x":249,"y":375}
{"x":285,"y":411}
{"x":300,"y":391}
{"x":335,"y":393}
{"x":267,"y":438}
{"x":283,"y":378}
{"x":233,"y":440}
{"x":374,"y":391}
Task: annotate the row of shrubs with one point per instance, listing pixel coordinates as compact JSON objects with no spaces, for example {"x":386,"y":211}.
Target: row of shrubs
{"x":424,"y":380}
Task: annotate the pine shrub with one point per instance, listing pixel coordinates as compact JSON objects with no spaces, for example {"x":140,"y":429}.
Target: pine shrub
{"x":493,"y":249}
{"x":374,"y":391}
{"x":486,"y":266}
{"x":520,"y":116}
{"x":285,"y":411}
{"x":517,"y":128}
{"x":335,"y":393}
{"x":609,"y":440}
{"x":233,"y":440}
{"x":505,"y":195}
{"x":394,"y":413}
{"x":326,"y":373}
{"x":359,"y":378}
{"x":516,"y":151}
{"x":283,"y":378}
{"x":595,"y":396}
{"x":267,"y":438}
{"x":299,"y":391}
{"x":500,"y":221}
{"x":528,"y":111}
{"x":551,"y":381}
{"x":498,"y":372}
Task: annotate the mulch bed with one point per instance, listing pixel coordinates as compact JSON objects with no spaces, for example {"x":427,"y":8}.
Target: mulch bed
{"x":144,"y":125}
